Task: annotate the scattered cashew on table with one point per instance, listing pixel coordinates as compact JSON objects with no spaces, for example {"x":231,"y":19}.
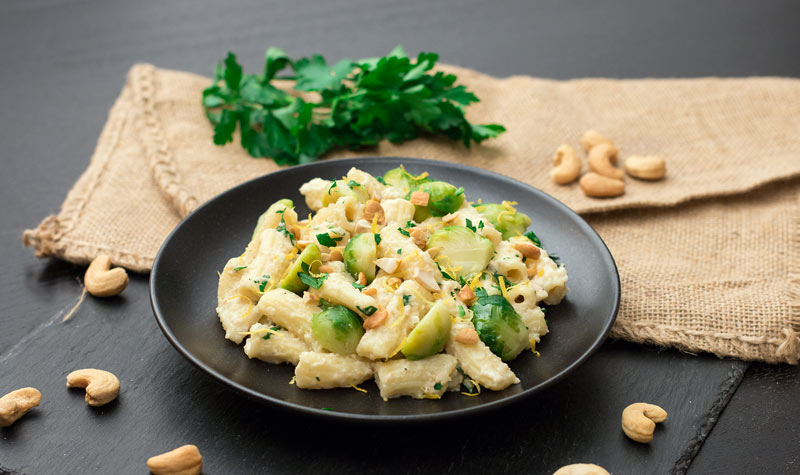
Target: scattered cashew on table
{"x":581,"y":469}
{"x":639,"y":421}
{"x":185,"y":460}
{"x":101,"y":386}
{"x":17,"y":403}
{"x":103,"y":281}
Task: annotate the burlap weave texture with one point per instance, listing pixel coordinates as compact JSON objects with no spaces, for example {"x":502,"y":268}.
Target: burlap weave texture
{"x":709,"y":258}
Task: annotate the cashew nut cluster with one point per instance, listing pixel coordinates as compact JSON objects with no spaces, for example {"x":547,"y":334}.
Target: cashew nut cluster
{"x":185,"y":460}
{"x":639,"y":421}
{"x":101,"y":386}
{"x":103,"y":281}
{"x":581,"y":469}
{"x":17,"y":403}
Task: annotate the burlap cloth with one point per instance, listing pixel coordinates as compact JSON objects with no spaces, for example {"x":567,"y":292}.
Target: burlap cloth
{"x":709,"y":258}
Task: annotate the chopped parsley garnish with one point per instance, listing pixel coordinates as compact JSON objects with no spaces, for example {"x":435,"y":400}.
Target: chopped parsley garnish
{"x":327,"y":409}
{"x":555,"y":258}
{"x":380,"y":180}
{"x":358,"y":286}
{"x":480,"y":292}
{"x":403,"y":232}
{"x":269,"y":334}
{"x":317,"y":377}
{"x":377,"y":239}
{"x":411,"y":224}
{"x":534,"y":238}
{"x":437,"y":386}
{"x":406,"y":298}
{"x":461,"y":312}
{"x":471,"y":226}
{"x":238,"y":268}
{"x":444,"y":274}
{"x":544,"y":310}
{"x":353,"y":183}
{"x":327,"y":240}
{"x":462,"y":281}
{"x":399,"y":251}
{"x":333,"y":185}
{"x":315,"y":282}
{"x":324,"y":304}
{"x":468,"y":386}
{"x":367,"y":311}
{"x":262,"y":283}
{"x":282,"y":227}
{"x":480,"y":224}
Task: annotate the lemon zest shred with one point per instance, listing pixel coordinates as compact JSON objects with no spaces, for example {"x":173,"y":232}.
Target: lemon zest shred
{"x":397,"y":350}
{"x":475,"y":280}
{"x":218,"y":274}
{"x":375,"y":223}
{"x":311,"y":266}
{"x":249,"y":304}
{"x":431,"y":396}
{"x":418,"y":177}
{"x":502,"y":282}
{"x":533,"y":347}
{"x":292,"y":254}
{"x":362,"y":390}
{"x":477,"y":386}
{"x":480,"y":201}
{"x":540,"y":273}
{"x":294,"y":378}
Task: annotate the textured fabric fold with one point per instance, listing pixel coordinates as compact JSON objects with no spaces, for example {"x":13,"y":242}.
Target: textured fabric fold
{"x":709,"y":258}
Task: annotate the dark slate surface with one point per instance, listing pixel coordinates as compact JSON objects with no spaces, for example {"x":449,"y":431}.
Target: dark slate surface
{"x":64,"y":62}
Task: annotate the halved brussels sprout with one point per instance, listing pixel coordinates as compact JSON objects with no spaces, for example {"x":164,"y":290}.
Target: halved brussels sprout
{"x":430,"y":335}
{"x":499,"y":326}
{"x":276,"y":206}
{"x":443,"y":198}
{"x":337,"y":329}
{"x":466,"y":252}
{"x":341,"y":188}
{"x":400,"y":178}
{"x":510,"y":223}
{"x":292,"y":281}
{"x":359,"y":255}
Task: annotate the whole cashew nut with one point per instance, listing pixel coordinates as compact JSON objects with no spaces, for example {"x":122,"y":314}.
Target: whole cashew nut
{"x":649,"y":167}
{"x":101,"y":386}
{"x":591,"y":138}
{"x":102,"y":281}
{"x":601,"y":186}
{"x":639,"y":421}
{"x":185,"y":460}
{"x":581,"y":469}
{"x":567,"y":165}
{"x":17,"y":403}
{"x":601,"y":160}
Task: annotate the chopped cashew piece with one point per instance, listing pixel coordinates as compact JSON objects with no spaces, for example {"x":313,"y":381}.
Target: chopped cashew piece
{"x":467,"y":336}
{"x":388,"y":264}
{"x":326,"y":268}
{"x":372,"y":209}
{"x":372,"y":291}
{"x":467,"y":295}
{"x":103,"y":281}
{"x":101,"y":386}
{"x":362,"y":278}
{"x":449,"y":218}
{"x":639,"y":421}
{"x":426,"y":280}
{"x":335,"y":255}
{"x":527,"y":249}
{"x":420,"y":236}
{"x":434,"y":251}
{"x":362,"y":226}
{"x":419,"y":198}
{"x":17,"y":403}
{"x":185,"y":460}
{"x":376,"y":319}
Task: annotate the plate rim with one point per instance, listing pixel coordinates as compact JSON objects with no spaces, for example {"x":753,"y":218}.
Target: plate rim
{"x":377,"y":418}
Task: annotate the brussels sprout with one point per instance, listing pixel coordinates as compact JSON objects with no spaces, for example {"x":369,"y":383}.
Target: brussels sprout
{"x":341,"y":188}
{"x":510,"y":223}
{"x":499,"y":326}
{"x":444,"y":198}
{"x":291,"y":281}
{"x":430,"y":335}
{"x":273,"y":208}
{"x":359,"y":255}
{"x":400,"y":178}
{"x":467,"y":253}
{"x":337,"y":329}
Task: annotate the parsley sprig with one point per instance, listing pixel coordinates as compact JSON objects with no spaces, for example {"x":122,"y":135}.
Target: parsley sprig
{"x":359,"y":103}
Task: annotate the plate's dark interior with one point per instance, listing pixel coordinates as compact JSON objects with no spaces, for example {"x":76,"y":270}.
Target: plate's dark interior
{"x":184,"y":291}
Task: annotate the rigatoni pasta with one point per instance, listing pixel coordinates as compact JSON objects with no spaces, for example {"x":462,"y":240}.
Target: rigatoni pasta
{"x":397,"y":278}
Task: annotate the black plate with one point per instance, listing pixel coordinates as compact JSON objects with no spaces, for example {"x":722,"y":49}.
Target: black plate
{"x":183,"y":291}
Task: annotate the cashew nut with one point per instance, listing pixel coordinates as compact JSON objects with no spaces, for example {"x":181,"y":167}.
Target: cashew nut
{"x":601,"y":160}
{"x":376,"y":319}
{"x":419,"y":198}
{"x":467,"y":295}
{"x":527,"y":249}
{"x":591,"y":138}
{"x":581,"y":469}
{"x":101,"y":386}
{"x":17,"y":403}
{"x":102,"y":281}
{"x":184,"y":460}
{"x":649,"y":167}
{"x":567,"y":165}
{"x":601,"y":186}
{"x":639,"y":421}
{"x":467,"y":336}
